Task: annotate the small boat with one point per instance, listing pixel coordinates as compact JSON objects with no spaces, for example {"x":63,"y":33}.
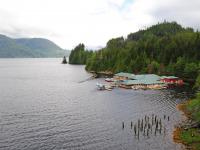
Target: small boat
{"x":100,"y":86}
{"x":109,"y":80}
{"x":135,"y":88}
{"x":108,"y":87}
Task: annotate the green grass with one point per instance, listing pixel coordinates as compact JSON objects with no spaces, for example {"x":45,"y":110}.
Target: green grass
{"x":191,"y":137}
{"x":194,"y":108}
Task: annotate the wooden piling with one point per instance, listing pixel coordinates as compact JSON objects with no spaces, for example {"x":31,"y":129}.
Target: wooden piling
{"x":164,"y":130}
{"x":135,"y":129}
{"x":141,"y":128}
{"x":144,"y":132}
{"x":145,"y":125}
{"x":142,"y":123}
{"x":138,"y":123}
{"x":131,"y":124}
{"x":160,"y":124}
{"x":149,"y":126}
{"x":152,"y":120}
{"x":156,"y":125}
{"x":155,"y":131}
{"x":148,"y":132}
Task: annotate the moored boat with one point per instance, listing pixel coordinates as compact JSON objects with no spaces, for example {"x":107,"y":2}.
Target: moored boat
{"x":100,"y":86}
{"x":104,"y":87}
{"x":109,"y":80}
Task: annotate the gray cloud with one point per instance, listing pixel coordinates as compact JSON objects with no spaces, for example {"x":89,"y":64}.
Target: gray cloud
{"x":21,"y":32}
{"x":185,"y":12}
{"x":10,"y":26}
{"x":68,"y":23}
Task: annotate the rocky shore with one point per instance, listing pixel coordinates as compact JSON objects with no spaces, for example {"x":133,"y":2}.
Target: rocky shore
{"x":188,"y":133}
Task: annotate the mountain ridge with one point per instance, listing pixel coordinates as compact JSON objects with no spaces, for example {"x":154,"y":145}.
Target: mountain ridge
{"x":29,"y":48}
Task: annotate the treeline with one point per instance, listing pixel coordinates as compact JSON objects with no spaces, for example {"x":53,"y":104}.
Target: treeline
{"x":166,"y":49}
{"x":79,"y":55}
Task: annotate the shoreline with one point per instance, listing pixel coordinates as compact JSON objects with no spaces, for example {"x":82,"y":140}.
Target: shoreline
{"x":186,"y":133}
{"x":177,"y":131}
{"x":101,"y":74}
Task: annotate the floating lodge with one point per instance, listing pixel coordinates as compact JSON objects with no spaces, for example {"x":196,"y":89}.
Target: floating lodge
{"x":144,"y":81}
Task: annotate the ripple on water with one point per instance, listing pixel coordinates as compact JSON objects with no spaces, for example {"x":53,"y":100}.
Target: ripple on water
{"x":44,"y":105}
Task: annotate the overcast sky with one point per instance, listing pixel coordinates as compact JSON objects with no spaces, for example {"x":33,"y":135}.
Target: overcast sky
{"x":92,"y":22}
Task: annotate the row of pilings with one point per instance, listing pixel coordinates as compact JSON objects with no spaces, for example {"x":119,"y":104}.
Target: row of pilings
{"x":148,"y":125}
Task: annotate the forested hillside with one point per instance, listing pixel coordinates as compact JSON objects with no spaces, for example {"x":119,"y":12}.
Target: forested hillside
{"x":165,"y":48}
{"x":79,"y":55}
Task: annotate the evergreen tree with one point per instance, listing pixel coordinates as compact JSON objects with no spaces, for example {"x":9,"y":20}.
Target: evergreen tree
{"x":165,"y":48}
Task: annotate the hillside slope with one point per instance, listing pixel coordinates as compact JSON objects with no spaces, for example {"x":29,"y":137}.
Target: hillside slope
{"x":29,"y":48}
{"x":164,"y":48}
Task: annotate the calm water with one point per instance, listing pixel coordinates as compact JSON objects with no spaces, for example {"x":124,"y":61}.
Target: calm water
{"x":46,"y":105}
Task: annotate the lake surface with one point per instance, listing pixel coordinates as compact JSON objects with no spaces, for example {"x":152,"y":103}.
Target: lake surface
{"x":47,"y":105}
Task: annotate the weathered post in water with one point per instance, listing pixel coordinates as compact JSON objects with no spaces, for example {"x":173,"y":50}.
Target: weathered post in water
{"x":152,"y":119}
{"x":131,"y":124}
{"x":144,"y":132}
{"x":139,"y":124}
{"x":149,"y":125}
{"x":155,"y":131}
{"x":160,"y":124}
{"x":138,"y":133}
{"x":156,"y":125}
{"x":122,"y":125}
{"x":141,"y":128}
{"x":145,"y":118}
{"x":164,"y":130}
{"x":135,"y":129}
{"x":148,"y":132}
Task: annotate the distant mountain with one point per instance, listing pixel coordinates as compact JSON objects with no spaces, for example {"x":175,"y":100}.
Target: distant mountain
{"x":29,"y":48}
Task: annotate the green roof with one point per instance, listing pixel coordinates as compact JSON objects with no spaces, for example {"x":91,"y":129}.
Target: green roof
{"x":127,"y":75}
{"x":131,"y":82}
{"x":141,"y":79}
{"x":144,"y":79}
{"x":153,"y":77}
{"x":147,"y":82}
{"x":168,"y":77}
